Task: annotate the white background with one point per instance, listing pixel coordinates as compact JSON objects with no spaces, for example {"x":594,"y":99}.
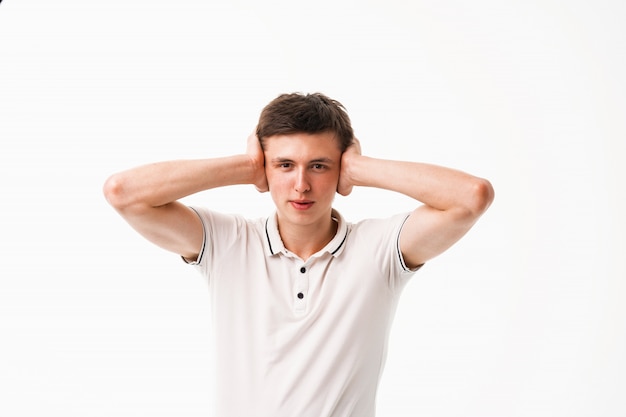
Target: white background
{"x":523,"y":317}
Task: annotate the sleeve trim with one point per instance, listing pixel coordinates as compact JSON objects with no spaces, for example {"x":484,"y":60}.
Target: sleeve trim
{"x":202,"y":249}
{"x":405,"y":268}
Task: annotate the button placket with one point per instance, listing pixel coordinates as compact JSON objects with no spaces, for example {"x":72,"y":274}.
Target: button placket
{"x":301,"y":289}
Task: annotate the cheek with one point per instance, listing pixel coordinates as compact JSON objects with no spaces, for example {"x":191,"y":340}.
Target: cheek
{"x":327,"y":187}
{"x":275,"y":182}
{"x":331,"y":180}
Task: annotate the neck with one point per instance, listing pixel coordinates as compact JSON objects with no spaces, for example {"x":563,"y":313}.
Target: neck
{"x":306,"y":240}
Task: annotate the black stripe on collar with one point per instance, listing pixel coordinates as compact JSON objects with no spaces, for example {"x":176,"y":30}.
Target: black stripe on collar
{"x":269,"y":242}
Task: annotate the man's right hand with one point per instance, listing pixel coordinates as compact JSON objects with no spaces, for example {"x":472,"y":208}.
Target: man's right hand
{"x":255,"y":152}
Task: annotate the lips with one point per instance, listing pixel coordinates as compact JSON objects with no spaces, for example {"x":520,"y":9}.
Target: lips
{"x":301,"y":204}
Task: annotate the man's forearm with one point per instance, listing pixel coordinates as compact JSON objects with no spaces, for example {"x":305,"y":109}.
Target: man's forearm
{"x":438,"y":187}
{"x":160,"y":183}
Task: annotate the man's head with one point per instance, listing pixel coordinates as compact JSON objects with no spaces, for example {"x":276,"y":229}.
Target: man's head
{"x":303,"y":137}
{"x":305,"y":113}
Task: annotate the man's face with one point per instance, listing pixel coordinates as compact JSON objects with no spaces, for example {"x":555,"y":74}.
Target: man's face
{"x":302,"y":173}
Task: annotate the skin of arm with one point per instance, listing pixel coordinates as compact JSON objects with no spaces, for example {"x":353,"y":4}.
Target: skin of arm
{"x":146,"y":196}
{"x":452,"y":200}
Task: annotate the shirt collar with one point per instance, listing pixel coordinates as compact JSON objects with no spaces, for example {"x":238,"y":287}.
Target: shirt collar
{"x":274,"y":243}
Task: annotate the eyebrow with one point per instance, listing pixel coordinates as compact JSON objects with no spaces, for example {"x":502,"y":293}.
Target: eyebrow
{"x":313,"y":161}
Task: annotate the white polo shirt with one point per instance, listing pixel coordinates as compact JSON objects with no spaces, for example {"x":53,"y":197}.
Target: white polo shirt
{"x":296,"y":338}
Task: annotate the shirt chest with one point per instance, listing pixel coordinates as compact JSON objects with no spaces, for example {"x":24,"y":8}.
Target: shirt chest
{"x":286,"y":287}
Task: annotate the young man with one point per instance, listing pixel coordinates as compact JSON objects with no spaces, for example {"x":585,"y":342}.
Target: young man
{"x":302,"y":300}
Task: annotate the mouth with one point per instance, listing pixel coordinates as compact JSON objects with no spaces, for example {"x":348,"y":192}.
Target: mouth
{"x":301,"y":204}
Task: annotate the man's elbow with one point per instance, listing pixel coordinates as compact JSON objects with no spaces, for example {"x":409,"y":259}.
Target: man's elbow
{"x":481,"y":196}
{"x":114,"y":191}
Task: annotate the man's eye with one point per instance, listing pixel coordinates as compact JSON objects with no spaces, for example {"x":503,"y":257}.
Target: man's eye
{"x":285,"y":165}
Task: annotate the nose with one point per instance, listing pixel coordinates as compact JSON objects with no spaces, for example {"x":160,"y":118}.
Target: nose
{"x":302,"y":184}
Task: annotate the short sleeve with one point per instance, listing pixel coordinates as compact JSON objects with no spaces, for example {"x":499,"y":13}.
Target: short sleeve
{"x":376,"y":242}
{"x":221,"y":231}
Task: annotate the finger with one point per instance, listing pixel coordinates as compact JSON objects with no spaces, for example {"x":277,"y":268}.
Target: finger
{"x":252,"y":143}
{"x":357,"y":145}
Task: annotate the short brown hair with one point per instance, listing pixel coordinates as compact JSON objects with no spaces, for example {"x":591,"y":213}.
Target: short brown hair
{"x":305,"y":113}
